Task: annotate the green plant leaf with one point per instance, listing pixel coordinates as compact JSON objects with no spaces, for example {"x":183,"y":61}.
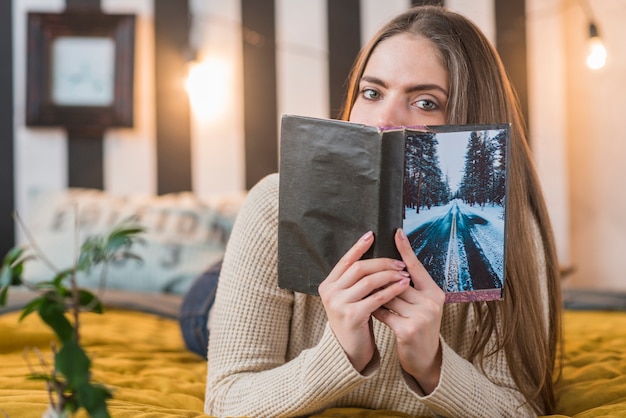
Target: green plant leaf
{"x":98,"y":250}
{"x":128,"y":228}
{"x":122,"y":236}
{"x":89,"y":300}
{"x":12,"y":256}
{"x":84,"y":261}
{"x":93,"y":398}
{"x":74,"y":364}
{"x":62,"y":275}
{"x":4,"y":291}
{"x":31,"y":307}
{"x":41,"y":376}
{"x":91,"y":252}
{"x":6,"y":276}
{"x":44,"y":285}
{"x":116,"y":241}
{"x":52,"y":311}
{"x":11,"y":272}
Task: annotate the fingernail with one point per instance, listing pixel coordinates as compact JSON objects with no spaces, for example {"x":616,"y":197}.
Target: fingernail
{"x":401,"y":233}
{"x":404,"y":274}
{"x":399,"y":264}
{"x":367,"y":236}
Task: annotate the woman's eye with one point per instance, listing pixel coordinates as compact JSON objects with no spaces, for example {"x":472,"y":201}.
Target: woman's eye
{"x":426,"y":104}
{"x":370,"y":94}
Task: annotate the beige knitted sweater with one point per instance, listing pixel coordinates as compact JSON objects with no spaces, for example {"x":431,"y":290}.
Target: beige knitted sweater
{"x":272,"y":353}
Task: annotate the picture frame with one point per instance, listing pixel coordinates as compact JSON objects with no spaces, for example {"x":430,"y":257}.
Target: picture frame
{"x":80,"y":70}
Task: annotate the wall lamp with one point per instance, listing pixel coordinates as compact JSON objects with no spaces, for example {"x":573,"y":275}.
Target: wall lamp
{"x":208,"y":85}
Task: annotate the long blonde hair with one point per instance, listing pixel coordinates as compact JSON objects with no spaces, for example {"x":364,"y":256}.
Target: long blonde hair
{"x":480,"y":92}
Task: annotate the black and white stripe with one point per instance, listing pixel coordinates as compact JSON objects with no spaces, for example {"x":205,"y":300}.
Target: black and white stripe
{"x":288,"y":57}
{"x":7,"y":194}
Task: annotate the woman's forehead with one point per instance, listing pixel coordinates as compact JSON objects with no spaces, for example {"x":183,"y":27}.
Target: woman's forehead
{"x":408,"y":58}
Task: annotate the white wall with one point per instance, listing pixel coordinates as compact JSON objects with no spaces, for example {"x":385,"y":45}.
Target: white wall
{"x":596,"y":105}
{"x":302,"y":57}
{"x":218,"y":140}
{"x":376,"y":13}
{"x":579,"y":144}
{"x":548,"y":113}
{"x":135,"y":148}
{"x":40,"y":155}
{"x":481,"y":12}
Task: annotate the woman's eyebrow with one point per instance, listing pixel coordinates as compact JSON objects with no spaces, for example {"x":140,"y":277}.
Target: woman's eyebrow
{"x":417,"y":87}
{"x":374,"y":80}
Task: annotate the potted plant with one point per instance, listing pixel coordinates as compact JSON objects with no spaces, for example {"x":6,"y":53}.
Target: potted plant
{"x":59,"y":303}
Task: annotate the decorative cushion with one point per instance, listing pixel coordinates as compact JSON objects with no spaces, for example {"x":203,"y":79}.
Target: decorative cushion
{"x":184,"y":235}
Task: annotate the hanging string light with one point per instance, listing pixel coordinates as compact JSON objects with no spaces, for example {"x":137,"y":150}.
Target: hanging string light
{"x":597,"y":52}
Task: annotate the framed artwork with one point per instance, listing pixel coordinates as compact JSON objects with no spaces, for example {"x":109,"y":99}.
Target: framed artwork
{"x":80,"y":70}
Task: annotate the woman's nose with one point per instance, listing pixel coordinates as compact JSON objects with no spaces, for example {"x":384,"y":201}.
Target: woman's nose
{"x":389,"y":114}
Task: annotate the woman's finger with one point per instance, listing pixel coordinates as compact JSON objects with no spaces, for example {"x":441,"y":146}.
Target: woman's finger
{"x":366,"y":276}
{"x":420,"y":277}
{"x":354,"y":254}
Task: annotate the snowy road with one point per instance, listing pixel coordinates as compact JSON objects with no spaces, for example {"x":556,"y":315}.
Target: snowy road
{"x":449,"y":246}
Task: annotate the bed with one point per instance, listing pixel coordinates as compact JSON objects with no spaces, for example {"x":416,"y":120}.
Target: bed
{"x":138,"y":350}
{"x":139,"y":353}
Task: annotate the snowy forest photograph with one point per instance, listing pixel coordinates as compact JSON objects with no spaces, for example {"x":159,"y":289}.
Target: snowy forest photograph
{"x":454,"y":209}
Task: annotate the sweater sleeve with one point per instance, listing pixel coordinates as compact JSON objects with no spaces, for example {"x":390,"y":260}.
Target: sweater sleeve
{"x":249,"y":372}
{"x":466,"y":390}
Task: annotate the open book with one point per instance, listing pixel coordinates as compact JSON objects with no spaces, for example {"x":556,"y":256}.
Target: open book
{"x":446,"y":186}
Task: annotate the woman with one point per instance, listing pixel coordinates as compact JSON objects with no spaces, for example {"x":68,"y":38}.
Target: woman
{"x":371,"y":340}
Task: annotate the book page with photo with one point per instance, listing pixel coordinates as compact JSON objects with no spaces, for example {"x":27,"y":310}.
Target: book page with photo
{"x":454,"y":207}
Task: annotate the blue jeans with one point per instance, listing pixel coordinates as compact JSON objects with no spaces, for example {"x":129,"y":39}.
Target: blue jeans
{"x":194,"y":311}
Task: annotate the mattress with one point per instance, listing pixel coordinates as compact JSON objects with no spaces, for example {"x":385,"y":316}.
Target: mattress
{"x":142,"y":358}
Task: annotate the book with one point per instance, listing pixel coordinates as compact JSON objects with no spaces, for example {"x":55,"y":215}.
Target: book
{"x":446,"y":186}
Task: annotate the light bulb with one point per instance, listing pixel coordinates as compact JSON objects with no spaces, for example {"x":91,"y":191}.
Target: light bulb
{"x":208,"y":85}
{"x":597,"y":52}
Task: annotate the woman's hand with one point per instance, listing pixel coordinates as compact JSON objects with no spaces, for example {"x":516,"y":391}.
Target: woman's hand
{"x":355,"y":289}
{"x":415,"y":318}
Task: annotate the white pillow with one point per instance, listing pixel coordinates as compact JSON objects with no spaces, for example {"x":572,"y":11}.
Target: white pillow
{"x":184,"y":235}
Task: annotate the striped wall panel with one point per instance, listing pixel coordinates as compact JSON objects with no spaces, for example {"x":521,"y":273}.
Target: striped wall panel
{"x":259,"y":88}
{"x":7,"y":192}
{"x":511,"y":43}
{"x":85,"y":150}
{"x":172,"y":119}
{"x":344,"y":42}
{"x":284,"y":56}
